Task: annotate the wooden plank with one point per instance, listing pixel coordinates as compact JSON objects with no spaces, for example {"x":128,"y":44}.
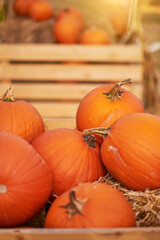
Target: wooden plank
{"x":81,"y":234}
{"x":51,"y":123}
{"x":51,"y":91}
{"x":81,"y":72}
{"x":77,"y":52}
{"x":56,"y":109}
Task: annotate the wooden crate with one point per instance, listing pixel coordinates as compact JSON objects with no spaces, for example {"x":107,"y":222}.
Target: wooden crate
{"x":39,"y":73}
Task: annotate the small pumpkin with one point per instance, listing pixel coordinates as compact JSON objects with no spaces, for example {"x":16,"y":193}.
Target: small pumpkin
{"x":94,"y":36}
{"x":90,"y":205}
{"x":73,"y":13}
{"x":25,"y":181}
{"x":130,"y":150}
{"x":119,"y":22}
{"x":21,"y":6}
{"x":72,"y":158}
{"x":19,"y":117}
{"x":66,"y":31}
{"x":105,"y":104}
{"x":40,"y":10}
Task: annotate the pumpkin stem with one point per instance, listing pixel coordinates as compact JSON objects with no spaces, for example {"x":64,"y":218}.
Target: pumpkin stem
{"x":89,"y":139}
{"x":103,"y":132}
{"x":115,"y":93}
{"x":75,"y":206}
{"x":8,"y":96}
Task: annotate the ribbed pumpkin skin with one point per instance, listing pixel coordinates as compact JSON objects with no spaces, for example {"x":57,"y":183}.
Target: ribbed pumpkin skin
{"x":131,"y":151}
{"x":21,"y":119}
{"x":105,"y":207}
{"x":70,"y":158}
{"x":95,"y":110}
{"x":27,"y":179}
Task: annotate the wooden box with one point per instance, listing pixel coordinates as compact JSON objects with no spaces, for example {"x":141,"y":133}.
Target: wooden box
{"x":54,"y":78}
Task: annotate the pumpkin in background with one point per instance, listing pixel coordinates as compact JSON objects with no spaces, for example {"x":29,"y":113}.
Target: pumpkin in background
{"x":21,"y":6}
{"x":66,"y":31}
{"x":25,"y":181}
{"x":19,"y":117}
{"x":40,"y":10}
{"x":131,"y":151}
{"x":90,"y":205}
{"x":105,"y":104}
{"x":119,"y":22}
{"x":73,"y":13}
{"x":94,"y":36}
{"x":71,"y":157}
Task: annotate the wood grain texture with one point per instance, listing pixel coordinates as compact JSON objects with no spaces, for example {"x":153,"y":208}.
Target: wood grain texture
{"x":81,"y":234}
{"x":77,"y":52}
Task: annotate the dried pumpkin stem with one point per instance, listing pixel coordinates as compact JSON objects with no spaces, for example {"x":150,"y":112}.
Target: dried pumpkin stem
{"x":115,"y":92}
{"x":103,"y":132}
{"x":8,"y":96}
{"x":75,"y":206}
{"x":89,"y":139}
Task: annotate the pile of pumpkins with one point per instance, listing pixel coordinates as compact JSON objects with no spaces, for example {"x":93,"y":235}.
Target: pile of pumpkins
{"x":69,"y":23}
{"x":113,"y":134}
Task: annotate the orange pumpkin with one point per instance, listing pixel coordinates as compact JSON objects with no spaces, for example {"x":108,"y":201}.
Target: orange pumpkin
{"x":25,"y":181}
{"x":71,"y":157}
{"x":40,"y":10}
{"x":94,"y":36}
{"x":105,"y":104}
{"x":131,"y":151}
{"x":90,"y":205}
{"x":21,"y":6}
{"x":73,"y":13}
{"x":119,"y":22}
{"x":66,"y":31}
{"x":19,"y":117}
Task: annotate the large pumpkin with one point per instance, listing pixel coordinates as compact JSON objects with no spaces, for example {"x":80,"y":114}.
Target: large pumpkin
{"x":72,"y":158}
{"x":25,"y":181}
{"x":94,"y":36}
{"x":105,"y":104}
{"x":131,"y":151}
{"x":90,"y":205}
{"x":73,"y":13}
{"x":66,"y":31}
{"x":19,"y":117}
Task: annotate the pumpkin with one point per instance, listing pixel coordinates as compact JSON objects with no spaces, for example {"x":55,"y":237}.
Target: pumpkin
{"x":105,"y":104}
{"x":119,"y":22}
{"x":40,"y":10}
{"x":90,"y":205}
{"x":19,"y":117}
{"x":131,"y":152}
{"x":73,"y":13}
{"x":94,"y":36}
{"x":25,"y":181}
{"x":21,"y":6}
{"x":71,"y":157}
{"x":66,"y":31}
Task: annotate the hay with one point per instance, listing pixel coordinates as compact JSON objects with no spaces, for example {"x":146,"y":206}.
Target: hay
{"x":146,"y":205}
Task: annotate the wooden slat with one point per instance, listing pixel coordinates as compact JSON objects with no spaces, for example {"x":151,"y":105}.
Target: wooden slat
{"x":53,"y":91}
{"x":51,"y":123}
{"x":81,"y":234}
{"x":60,"y":52}
{"x":56,"y":110}
{"x":83,"y":72}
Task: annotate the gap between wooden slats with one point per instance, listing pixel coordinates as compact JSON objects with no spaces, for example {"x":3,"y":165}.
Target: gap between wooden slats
{"x":60,"y":52}
{"x":82,"y":72}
